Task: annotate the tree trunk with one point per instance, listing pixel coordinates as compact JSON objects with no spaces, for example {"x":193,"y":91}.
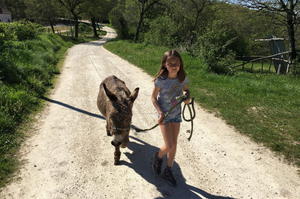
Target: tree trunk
{"x":291,"y":35}
{"x":93,"y":20}
{"x":76,"y":28}
{"x":52,"y":25}
{"x":138,"y":28}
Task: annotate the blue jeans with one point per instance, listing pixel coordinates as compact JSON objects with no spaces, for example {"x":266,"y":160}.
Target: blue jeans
{"x":176,"y":119}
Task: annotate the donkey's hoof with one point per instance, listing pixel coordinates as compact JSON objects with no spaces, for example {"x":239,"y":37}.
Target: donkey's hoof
{"x":124,"y":145}
{"x":117,"y":162}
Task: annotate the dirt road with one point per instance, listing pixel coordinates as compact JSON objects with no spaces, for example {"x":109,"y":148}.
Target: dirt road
{"x":70,"y":156}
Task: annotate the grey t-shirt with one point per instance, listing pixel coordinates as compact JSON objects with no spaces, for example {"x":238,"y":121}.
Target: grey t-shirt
{"x":169,"y":90}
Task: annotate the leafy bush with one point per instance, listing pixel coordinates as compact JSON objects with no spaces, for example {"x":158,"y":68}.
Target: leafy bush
{"x":84,"y":27}
{"x":6,"y":33}
{"x":161,"y":32}
{"x":119,"y":23}
{"x":20,"y":31}
{"x":26,"y":30}
{"x":218,"y":47}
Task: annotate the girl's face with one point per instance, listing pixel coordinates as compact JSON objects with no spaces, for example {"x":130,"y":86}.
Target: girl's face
{"x":173,"y":66}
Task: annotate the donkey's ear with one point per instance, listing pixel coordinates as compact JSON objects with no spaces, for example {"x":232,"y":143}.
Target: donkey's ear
{"x":109,"y":94}
{"x":134,"y":95}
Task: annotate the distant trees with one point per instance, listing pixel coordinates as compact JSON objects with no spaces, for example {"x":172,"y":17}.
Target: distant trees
{"x":144,"y":7}
{"x":287,"y":10}
{"x":94,"y":10}
{"x":17,"y":7}
{"x":45,"y":11}
{"x":192,"y":15}
{"x":183,"y":24}
{"x":73,"y":7}
{"x":48,"y":11}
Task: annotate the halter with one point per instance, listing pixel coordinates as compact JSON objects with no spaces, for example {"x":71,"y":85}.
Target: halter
{"x":120,"y":129}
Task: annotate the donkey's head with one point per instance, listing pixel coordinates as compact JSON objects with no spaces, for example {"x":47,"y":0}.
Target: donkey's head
{"x":119,"y":114}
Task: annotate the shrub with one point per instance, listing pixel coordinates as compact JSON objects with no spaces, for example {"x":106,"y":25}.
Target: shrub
{"x":162,"y":31}
{"x":119,"y":23}
{"x":84,"y":27}
{"x":22,"y":30}
{"x":218,"y":47}
{"x":26,"y":30}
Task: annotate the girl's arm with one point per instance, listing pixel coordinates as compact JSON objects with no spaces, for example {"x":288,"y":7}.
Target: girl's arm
{"x":156,"y":105}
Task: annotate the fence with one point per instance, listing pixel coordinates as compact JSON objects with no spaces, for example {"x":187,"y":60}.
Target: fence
{"x":276,"y":63}
{"x":279,"y":62}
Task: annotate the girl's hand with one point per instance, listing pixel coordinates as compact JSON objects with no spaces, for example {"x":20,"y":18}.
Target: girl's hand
{"x":161,"y":117}
{"x":187,"y":94}
{"x":187,"y":101}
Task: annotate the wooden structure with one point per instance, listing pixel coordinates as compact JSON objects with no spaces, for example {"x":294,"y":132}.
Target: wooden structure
{"x":279,"y":58}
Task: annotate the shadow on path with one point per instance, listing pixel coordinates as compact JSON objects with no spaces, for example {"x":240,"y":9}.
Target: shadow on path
{"x":140,"y":162}
{"x":73,"y":108}
{"x":94,"y":43}
{"x":80,"y":110}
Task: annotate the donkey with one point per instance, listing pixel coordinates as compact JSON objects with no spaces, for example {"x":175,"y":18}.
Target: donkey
{"x":115,"y":103}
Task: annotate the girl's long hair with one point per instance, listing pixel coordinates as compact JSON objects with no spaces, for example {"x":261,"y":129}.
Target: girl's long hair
{"x":163,"y":72}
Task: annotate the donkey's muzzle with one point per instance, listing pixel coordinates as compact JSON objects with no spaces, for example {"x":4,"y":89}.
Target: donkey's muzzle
{"x":115,"y":143}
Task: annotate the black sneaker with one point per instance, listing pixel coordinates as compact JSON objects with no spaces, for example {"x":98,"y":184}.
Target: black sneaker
{"x":156,"y":165}
{"x":168,"y":176}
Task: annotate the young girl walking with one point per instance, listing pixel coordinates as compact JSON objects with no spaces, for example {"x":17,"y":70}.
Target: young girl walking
{"x":170,"y":82}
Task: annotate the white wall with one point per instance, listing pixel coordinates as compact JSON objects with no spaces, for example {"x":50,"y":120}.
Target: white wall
{"x":5,"y":18}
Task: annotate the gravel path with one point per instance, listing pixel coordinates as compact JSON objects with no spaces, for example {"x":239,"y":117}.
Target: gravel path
{"x":70,"y":156}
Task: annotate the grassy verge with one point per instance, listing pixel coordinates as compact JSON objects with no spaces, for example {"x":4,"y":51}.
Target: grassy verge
{"x":266,"y":107}
{"x":27,"y":69}
{"x":28,"y":65}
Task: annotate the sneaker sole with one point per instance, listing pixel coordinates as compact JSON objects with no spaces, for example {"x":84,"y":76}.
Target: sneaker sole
{"x":170,"y":183}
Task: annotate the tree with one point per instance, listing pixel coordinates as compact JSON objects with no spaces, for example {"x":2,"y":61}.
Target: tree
{"x":44,"y":11}
{"x":95,"y":10}
{"x":193,"y":16}
{"x":17,"y":8}
{"x":118,"y":21}
{"x":73,"y":6}
{"x":287,"y":9}
{"x":144,"y":7}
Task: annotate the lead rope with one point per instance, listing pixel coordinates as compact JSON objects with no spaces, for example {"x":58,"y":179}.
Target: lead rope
{"x":191,"y":111}
{"x":192,"y":117}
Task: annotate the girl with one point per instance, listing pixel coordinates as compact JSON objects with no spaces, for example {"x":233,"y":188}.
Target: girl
{"x":170,"y":82}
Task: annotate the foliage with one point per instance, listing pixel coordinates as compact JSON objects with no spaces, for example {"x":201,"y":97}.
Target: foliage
{"x":162,"y":31}
{"x":250,"y":25}
{"x":26,"y":71}
{"x":218,"y":47}
{"x":17,"y":8}
{"x":118,"y":21}
{"x":44,"y":12}
{"x":22,"y":30}
{"x":287,"y":11}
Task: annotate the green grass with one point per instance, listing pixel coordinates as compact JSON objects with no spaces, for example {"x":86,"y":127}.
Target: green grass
{"x":27,"y":71}
{"x":266,"y":107}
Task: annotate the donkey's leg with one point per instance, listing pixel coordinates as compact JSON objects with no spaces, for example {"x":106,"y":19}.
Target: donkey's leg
{"x":108,"y":130}
{"x":125,"y":141}
{"x":117,"y":155}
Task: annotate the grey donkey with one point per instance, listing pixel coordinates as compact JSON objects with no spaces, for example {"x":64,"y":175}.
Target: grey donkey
{"x":115,"y":102}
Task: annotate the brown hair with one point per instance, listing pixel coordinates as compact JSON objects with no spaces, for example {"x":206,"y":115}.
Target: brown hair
{"x":163,"y":72}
